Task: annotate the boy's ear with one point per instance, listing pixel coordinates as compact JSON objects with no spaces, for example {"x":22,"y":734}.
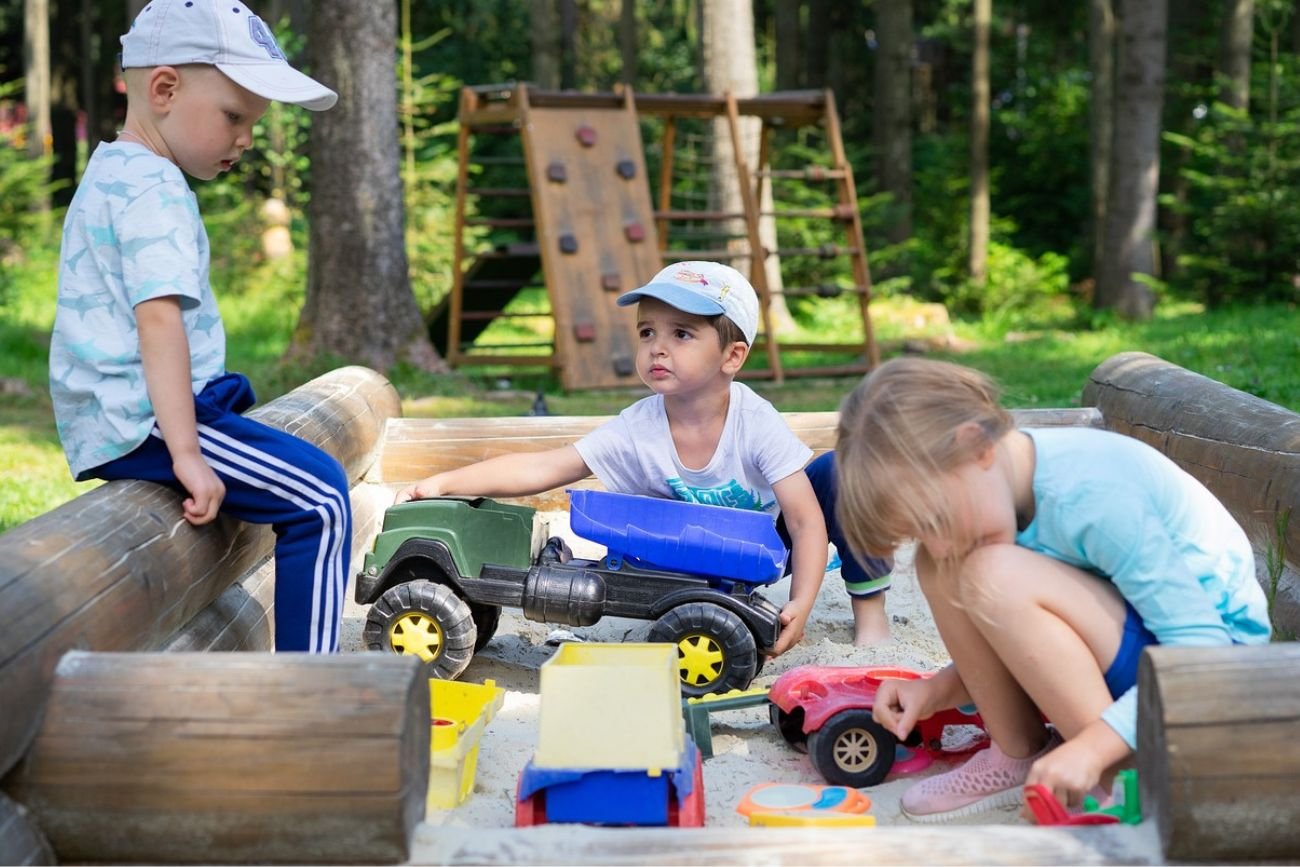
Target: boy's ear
{"x":163,"y":83}
{"x":734,"y":357}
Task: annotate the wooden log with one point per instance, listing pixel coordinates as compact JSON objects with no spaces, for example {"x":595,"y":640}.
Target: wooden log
{"x":21,"y":842}
{"x":242,"y":617}
{"x":415,"y":448}
{"x":230,"y":758}
{"x":1218,"y":759}
{"x":119,"y":569}
{"x":1243,"y":448}
{"x":919,"y":844}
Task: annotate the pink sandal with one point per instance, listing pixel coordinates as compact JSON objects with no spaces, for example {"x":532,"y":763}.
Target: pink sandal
{"x":988,"y":780}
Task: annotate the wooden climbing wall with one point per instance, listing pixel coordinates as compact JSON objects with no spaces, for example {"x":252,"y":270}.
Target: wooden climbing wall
{"x":595,"y":231}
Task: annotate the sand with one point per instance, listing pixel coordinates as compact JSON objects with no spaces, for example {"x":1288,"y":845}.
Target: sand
{"x":747,"y":748}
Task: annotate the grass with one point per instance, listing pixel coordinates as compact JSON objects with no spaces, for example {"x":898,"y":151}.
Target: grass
{"x":1255,"y":349}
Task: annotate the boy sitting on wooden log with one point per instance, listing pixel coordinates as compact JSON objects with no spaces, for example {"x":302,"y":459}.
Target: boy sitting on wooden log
{"x":137,"y":358}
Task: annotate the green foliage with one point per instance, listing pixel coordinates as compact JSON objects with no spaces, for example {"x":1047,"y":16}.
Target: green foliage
{"x":1244,"y":217}
{"x":24,"y":186}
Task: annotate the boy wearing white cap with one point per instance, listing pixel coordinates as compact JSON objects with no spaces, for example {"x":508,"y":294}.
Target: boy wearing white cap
{"x":701,"y":437}
{"x":137,"y":357}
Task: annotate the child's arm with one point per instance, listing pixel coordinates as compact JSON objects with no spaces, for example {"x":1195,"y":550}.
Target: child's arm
{"x":513,"y":475}
{"x":165,"y":355}
{"x":901,"y":703}
{"x":803,"y":518}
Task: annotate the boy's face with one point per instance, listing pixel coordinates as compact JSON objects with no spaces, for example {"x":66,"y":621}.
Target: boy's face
{"x":679,"y":351}
{"x":208,"y":123}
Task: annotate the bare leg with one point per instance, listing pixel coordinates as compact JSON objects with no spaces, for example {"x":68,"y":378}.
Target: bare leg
{"x":1012,"y":720}
{"x":1054,"y":628}
{"x":870,"y":622}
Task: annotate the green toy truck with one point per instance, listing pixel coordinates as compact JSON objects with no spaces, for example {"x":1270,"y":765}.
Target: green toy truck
{"x":441,"y":570}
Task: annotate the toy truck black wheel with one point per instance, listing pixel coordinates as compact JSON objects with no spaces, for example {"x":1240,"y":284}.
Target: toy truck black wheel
{"x":427,"y":620}
{"x":486,"y":618}
{"x":715,"y":650}
{"x":852,"y":749}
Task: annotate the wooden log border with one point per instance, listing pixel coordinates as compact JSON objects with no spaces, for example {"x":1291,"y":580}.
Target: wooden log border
{"x":119,"y":569}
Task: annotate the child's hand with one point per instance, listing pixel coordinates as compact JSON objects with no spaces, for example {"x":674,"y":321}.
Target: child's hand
{"x":1070,"y":771}
{"x":793,"y":617}
{"x":204,"y":486}
{"x":900,"y":703}
{"x":421,"y":490}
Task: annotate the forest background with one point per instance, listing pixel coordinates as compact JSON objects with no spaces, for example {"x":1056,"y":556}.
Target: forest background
{"x":1068,"y":180}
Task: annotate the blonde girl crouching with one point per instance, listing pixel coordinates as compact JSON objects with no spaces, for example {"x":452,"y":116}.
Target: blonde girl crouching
{"x":1049,"y":558}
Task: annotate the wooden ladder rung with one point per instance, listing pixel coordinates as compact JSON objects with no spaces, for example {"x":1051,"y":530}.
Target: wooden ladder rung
{"x":496,"y":284}
{"x":825,"y":251}
{"x":681,"y":255}
{"x":500,"y":222}
{"x":489,"y":315}
{"x":499,"y":192}
{"x":514,"y":251}
{"x":699,"y":215}
{"x":839,"y":212}
{"x":811,"y":173}
{"x":826,"y":290}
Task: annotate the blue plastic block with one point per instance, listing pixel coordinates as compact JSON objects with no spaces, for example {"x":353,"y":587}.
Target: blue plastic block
{"x":610,"y":798}
{"x":715,"y":541}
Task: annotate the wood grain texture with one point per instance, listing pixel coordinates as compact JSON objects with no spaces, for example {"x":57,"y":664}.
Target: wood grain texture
{"x":230,"y":758}
{"x":918,"y":844}
{"x":1243,"y":448}
{"x":118,"y":568}
{"x":1218,"y":759}
{"x":415,"y":448}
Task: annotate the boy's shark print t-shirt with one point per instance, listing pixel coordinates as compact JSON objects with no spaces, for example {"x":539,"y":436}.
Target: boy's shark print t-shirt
{"x":634,"y":454}
{"x":132,"y":234}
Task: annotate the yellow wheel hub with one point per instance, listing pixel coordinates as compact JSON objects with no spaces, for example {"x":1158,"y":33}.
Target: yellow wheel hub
{"x":855,"y":751}
{"x":416,"y":633}
{"x":699,"y":660}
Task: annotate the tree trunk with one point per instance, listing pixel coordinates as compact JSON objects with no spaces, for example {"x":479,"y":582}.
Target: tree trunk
{"x":1238,"y":33}
{"x":892,"y":118}
{"x":627,"y":42}
{"x":36,"y":75}
{"x":787,"y":38}
{"x":819,"y":43}
{"x":1101,"y":130}
{"x":546,"y":44}
{"x":979,"y":144}
{"x":359,"y":303}
{"x":730,"y":65}
{"x":568,"y":44}
{"x":65,"y":61}
{"x":1135,"y":161}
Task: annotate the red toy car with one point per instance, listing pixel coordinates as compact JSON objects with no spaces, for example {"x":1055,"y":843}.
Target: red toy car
{"x":827,"y":709}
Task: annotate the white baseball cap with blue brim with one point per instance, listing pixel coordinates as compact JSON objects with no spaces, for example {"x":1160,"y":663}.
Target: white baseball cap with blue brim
{"x":224,"y":34}
{"x":705,"y":289}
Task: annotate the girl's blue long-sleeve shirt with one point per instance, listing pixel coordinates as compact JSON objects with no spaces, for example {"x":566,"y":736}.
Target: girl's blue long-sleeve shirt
{"x":1114,"y":506}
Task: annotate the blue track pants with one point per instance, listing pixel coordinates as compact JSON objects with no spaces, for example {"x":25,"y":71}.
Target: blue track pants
{"x":274,"y":478}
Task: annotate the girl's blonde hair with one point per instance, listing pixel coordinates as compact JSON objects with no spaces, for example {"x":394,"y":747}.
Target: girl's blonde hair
{"x":909,"y":422}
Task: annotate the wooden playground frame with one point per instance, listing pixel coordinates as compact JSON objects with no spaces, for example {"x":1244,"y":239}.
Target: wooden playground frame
{"x":494,"y":109}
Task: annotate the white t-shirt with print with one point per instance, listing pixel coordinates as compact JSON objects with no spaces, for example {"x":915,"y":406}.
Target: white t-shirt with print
{"x":132,"y":234}
{"x":634,"y":454}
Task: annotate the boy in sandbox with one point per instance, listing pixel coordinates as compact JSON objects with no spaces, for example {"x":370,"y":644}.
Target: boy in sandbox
{"x":701,"y":437}
{"x":137,"y":357}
